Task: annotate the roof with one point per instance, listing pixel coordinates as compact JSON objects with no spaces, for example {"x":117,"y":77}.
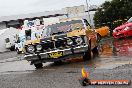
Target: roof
{"x":32,"y":15}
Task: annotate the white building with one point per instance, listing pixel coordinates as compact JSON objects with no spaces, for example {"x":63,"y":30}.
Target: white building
{"x":80,"y":12}
{"x":17,"y":20}
{"x":68,"y":12}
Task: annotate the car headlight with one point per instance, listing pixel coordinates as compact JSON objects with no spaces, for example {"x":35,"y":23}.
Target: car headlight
{"x":39,"y":47}
{"x":30,"y":49}
{"x":126,"y":28}
{"x":79,"y":41}
{"x":69,"y":42}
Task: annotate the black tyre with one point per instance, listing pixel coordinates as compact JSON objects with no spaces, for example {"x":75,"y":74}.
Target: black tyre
{"x":87,"y":54}
{"x":12,"y":48}
{"x":98,"y":37}
{"x":58,"y":62}
{"x":18,"y":52}
{"x":95,"y":52}
{"x":38,"y":65}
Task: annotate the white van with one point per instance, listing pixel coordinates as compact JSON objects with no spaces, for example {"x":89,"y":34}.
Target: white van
{"x":10,"y":42}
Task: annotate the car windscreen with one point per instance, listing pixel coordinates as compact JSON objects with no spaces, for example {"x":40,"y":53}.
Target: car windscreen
{"x":62,"y":27}
{"x":130,"y":20}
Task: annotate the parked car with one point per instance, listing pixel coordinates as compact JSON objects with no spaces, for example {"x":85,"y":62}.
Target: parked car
{"x":124,"y":30}
{"x":62,"y":41}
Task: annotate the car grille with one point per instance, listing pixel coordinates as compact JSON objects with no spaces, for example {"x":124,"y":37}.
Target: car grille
{"x":120,"y":35}
{"x":47,"y":43}
{"x":118,"y":30}
{"x":58,"y":43}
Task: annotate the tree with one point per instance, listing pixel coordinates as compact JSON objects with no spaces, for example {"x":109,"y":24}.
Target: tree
{"x":111,"y":11}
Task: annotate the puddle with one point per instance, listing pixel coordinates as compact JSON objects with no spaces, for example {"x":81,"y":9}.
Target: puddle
{"x":110,"y":48}
{"x":114,"y":53}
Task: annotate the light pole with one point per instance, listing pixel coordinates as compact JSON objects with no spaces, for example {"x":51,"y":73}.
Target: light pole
{"x":88,"y":11}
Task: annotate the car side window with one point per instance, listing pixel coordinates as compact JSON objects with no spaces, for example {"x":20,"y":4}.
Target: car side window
{"x":48,"y":32}
{"x":44,"y":32}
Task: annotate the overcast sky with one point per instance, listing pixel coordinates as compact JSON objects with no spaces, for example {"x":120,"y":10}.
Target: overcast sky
{"x":12,"y":7}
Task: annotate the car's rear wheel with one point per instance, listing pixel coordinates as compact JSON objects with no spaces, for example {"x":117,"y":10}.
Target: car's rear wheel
{"x":38,"y":65}
{"x":95,"y":52}
{"x":87,"y":54}
{"x":98,"y":37}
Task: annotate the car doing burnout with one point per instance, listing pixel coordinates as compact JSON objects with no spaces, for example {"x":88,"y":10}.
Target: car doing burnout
{"x":62,"y":41}
{"x":125,"y":30}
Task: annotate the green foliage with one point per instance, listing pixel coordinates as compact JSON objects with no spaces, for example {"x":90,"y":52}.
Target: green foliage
{"x":112,"y":11}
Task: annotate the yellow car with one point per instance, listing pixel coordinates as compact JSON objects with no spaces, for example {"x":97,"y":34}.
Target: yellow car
{"x":62,"y":41}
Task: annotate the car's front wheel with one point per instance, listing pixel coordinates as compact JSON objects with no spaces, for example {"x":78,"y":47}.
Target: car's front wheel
{"x":38,"y":65}
{"x":58,"y":62}
{"x":18,"y":52}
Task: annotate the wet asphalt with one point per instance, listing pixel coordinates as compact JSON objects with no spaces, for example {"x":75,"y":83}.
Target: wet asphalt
{"x":114,"y":62}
